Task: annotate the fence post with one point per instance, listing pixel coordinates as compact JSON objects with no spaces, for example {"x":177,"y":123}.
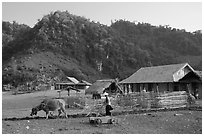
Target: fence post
{"x":59,"y":93}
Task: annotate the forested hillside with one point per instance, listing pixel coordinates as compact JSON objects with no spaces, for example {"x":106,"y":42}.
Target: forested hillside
{"x":63,"y":44}
{"x":12,"y":31}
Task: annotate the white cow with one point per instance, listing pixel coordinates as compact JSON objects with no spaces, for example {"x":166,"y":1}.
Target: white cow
{"x":50,"y":105}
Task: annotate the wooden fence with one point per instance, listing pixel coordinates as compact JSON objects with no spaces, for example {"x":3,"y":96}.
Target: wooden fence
{"x":140,"y":101}
{"x":149,"y":100}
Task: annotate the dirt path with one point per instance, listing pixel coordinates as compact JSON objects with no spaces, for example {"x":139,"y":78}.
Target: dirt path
{"x":172,"y":122}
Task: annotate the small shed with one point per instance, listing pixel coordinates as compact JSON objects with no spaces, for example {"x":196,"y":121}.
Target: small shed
{"x":72,"y":82}
{"x":100,"y":86}
{"x":69,"y":82}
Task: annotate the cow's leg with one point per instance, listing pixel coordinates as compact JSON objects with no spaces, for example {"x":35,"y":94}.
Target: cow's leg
{"x":59,"y":112}
{"x":52,"y":113}
{"x":64,"y":111}
{"x":47,"y":113}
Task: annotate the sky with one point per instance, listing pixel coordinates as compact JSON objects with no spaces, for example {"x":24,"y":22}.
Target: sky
{"x":180,"y":15}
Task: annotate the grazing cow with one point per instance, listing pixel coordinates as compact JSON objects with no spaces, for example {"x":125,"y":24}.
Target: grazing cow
{"x":50,"y":105}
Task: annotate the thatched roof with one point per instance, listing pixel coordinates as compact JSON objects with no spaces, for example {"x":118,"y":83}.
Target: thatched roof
{"x":156,"y":74}
{"x":99,"y":86}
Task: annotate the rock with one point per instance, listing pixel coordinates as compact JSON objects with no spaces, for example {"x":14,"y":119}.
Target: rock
{"x":177,"y":114}
{"x":27,"y":127}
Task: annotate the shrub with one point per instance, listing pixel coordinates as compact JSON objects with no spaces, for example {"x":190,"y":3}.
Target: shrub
{"x":75,"y":102}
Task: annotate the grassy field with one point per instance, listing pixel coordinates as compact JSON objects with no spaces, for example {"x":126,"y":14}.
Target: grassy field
{"x":166,"y":122}
{"x":20,"y":105}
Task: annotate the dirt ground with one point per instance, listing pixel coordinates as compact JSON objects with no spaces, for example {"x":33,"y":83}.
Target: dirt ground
{"x":165,"y":122}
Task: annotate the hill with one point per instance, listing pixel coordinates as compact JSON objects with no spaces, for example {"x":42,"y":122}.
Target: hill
{"x":63,"y":44}
{"x":11,"y":31}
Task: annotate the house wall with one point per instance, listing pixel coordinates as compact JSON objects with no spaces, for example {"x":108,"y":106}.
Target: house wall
{"x":136,"y":87}
{"x":200,"y":91}
{"x":130,"y":88}
{"x":80,"y":86}
{"x":61,"y":86}
{"x":196,"y":88}
{"x":162,"y":87}
{"x":58,"y":86}
{"x":171,"y":86}
{"x":166,"y":87}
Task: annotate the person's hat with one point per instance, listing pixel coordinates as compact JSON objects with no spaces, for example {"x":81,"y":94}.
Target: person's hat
{"x":105,"y":93}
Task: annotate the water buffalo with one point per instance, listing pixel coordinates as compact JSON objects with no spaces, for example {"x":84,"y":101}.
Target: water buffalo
{"x":50,"y":105}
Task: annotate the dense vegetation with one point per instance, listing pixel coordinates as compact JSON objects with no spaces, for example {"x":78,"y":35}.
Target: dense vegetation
{"x":121,"y":48}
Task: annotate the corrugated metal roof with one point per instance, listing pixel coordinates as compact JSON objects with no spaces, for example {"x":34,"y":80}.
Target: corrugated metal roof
{"x":74,"y":80}
{"x":65,"y":83}
{"x":154,"y":74}
{"x":85,"y":82}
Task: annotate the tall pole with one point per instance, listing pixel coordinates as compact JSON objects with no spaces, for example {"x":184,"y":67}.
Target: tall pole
{"x":68,"y":90}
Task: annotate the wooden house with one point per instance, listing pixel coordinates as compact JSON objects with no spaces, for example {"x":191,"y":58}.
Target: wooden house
{"x":162,"y":79}
{"x":72,"y":82}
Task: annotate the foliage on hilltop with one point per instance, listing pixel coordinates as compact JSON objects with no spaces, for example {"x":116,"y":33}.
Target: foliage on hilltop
{"x":11,"y":31}
{"x":121,"y":48}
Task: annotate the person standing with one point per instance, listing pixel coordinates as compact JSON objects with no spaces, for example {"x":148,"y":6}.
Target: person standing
{"x":108,"y":105}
